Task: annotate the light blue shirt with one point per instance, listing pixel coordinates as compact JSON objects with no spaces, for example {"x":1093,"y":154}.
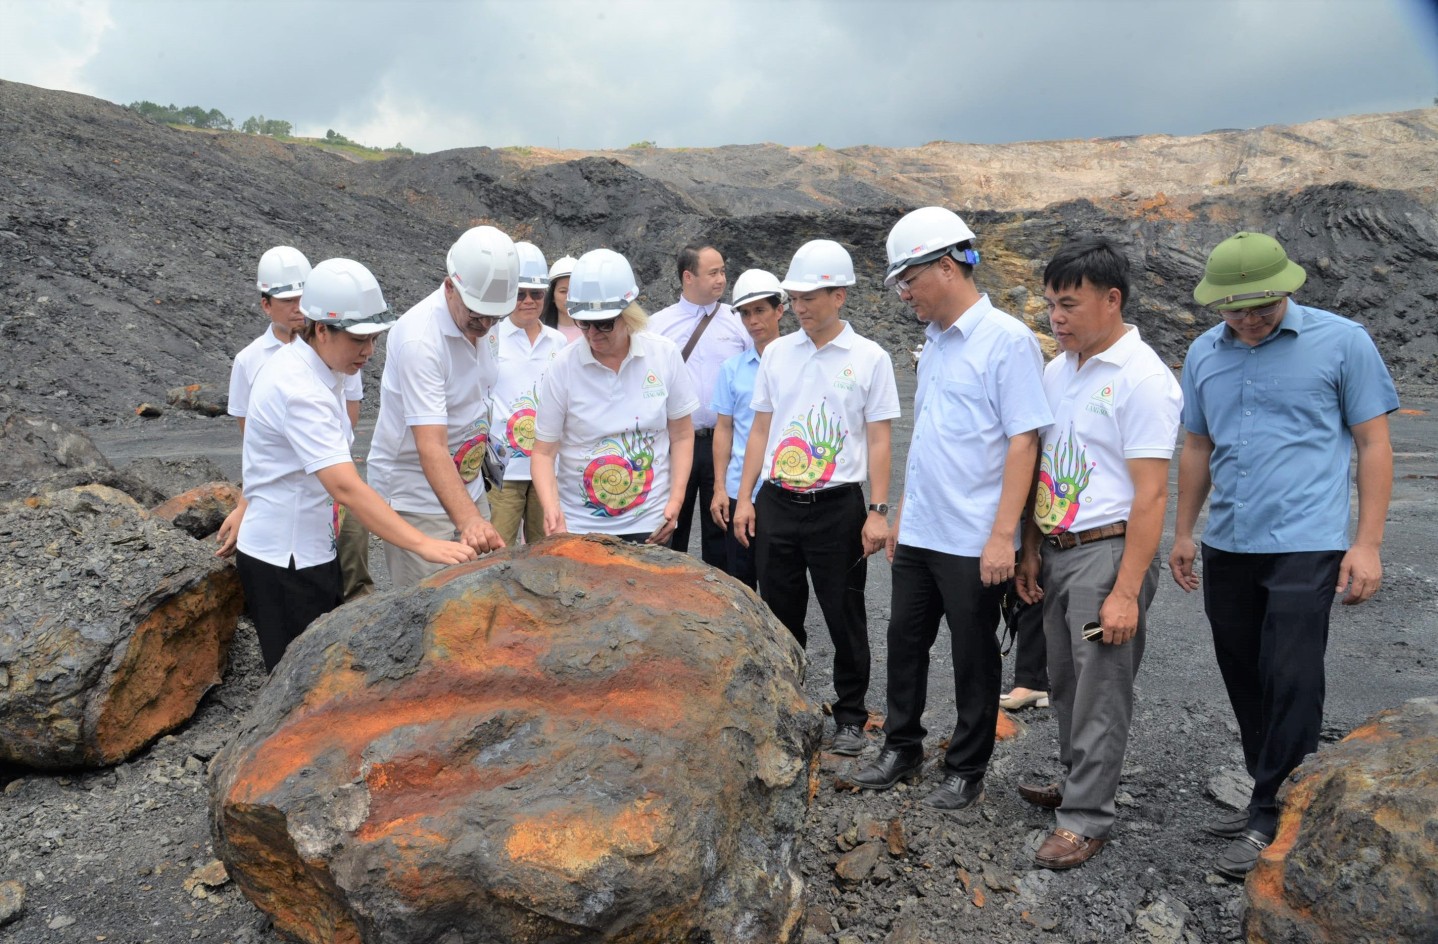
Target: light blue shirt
{"x":732,"y":393}
{"x":980,"y":383}
{"x":1279,"y":414}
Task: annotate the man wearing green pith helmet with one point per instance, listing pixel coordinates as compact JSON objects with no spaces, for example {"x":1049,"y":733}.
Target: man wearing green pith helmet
{"x":1275,"y":398}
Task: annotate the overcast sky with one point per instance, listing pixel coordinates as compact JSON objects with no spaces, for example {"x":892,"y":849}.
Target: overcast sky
{"x":699,"y":73}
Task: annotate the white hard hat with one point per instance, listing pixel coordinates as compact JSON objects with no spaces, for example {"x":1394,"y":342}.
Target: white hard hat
{"x":343,"y":294}
{"x":819,"y":263}
{"x":601,"y":286}
{"x":282,"y":272}
{"x":562,"y":267}
{"x":484,"y":267}
{"x":533,"y":270}
{"x":755,"y":284}
{"x":923,"y":235}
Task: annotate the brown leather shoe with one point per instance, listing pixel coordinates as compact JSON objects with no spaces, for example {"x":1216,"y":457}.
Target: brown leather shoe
{"x":1050,"y":797}
{"x":1064,"y":850}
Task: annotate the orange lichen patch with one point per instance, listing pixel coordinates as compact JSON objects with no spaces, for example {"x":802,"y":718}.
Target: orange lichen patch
{"x":1370,"y":733}
{"x":1006,"y":727}
{"x":175,"y":655}
{"x":467,"y":633}
{"x":575,"y":842}
{"x":813,"y":779}
{"x":655,"y":695}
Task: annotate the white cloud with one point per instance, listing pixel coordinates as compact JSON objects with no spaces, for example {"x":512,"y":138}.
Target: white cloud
{"x":49,"y":44}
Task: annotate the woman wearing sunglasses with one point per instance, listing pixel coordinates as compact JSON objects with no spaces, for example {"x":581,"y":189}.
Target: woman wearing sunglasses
{"x":613,"y":440}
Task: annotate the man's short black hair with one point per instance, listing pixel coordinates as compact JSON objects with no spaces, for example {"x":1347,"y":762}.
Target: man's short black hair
{"x":688,"y":259}
{"x":1093,"y":258}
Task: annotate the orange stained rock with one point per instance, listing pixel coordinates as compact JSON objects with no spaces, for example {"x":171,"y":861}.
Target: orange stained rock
{"x":467,"y":632}
{"x":1006,"y":727}
{"x":576,"y":841}
{"x":656,"y":695}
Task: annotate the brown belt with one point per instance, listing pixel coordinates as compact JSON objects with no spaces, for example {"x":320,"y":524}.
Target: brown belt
{"x":1068,"y":540}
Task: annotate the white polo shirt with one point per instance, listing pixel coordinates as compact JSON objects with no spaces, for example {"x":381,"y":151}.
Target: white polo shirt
{"x":613,"y":432}
{"x":247,"y":367}
{"x":433,"y":376}
{"x":980,"y":383}
{"x":1124,"y":404}
{"x":515,"y":398}
{"x":822,"y":398}
{"x":724,"y":338}
{"x":296,"y":427}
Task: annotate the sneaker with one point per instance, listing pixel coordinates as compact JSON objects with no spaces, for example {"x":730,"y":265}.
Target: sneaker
{"x":849,"y":741}
{"x":1241,"y":855}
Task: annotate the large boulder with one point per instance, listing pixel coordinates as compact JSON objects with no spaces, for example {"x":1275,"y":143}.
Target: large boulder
{"x":572,"y":741}
{"x":1356,"y":855}
{"x":112,"y":626}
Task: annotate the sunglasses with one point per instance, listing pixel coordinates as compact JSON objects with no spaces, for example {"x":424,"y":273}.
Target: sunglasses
{"x":603,"y":327}
{"x":535,"y":293}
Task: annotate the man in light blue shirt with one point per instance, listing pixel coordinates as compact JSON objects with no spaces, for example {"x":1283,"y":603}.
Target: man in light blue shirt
{"x":1275,"y":397}
{"x":759,"y":301}
{"x":979,"y":406}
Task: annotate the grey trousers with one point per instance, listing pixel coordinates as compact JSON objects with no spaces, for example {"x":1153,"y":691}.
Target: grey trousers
{"x":1090,"y":683}
{"x":407,"y":568}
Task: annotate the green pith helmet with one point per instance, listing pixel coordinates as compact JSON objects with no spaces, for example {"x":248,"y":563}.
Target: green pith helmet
{"x":1246,"y":270}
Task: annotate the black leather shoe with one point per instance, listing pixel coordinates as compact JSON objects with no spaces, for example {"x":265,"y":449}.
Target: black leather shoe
{"x":849,"y":741}
{"x":889,"y":769}
{"x":955,"y":793}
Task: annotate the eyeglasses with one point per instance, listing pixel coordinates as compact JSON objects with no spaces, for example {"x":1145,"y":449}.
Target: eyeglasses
{"x":535,"y":293}
{"x":905,"y":285}
{"x":1258,"y":311}
{"x":603,"y":327}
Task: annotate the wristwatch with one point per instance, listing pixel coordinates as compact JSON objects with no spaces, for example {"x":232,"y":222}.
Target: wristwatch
{"x":882,"y":508}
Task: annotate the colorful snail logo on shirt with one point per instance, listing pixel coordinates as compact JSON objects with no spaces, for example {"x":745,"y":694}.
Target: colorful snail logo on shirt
{"x":618,"y":478}
{"x":520,"y":428}
{"x":337,"y":520}
{"x":1063,"y":475}
{"x":806,"y":456}
{"x":469,"y":457}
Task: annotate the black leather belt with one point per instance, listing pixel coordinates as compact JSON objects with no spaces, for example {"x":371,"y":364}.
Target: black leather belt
{"x":814,"y":497}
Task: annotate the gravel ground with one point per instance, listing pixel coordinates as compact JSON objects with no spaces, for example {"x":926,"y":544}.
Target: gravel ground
{"x":113,"y":855}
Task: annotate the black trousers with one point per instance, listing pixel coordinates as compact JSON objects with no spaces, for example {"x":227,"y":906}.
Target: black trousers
{"x":929,"y":585}
{"x":822,"y":541}
{"x":1269,"y":618}
{"x":738,"y":559}
{"x":1031,"y":659}
{"x":698,"y":493}
{"x":282,"y":601}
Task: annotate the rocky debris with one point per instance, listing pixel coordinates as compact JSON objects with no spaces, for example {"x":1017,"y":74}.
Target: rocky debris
{"x":200,"y":511}
{"x":578,"y":739}
{"x":209,"y":876}
{"x":205,"y":399}
{"x":1231,"y":787}
{"x":171,"y":476}
{"x":1355,"y":850}
{"x":12,"y":901}
{"x":112,"y":626}
{"x":34,"y":447}
{"x":149,"y":411}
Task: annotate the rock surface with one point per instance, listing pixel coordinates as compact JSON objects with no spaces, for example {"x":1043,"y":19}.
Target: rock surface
{"x":1352,"y":198}
{"x":1356,"y":855}
{"x":35,"y":447}
{"x":112,"y":626}
{"x":200,"y":511}
{"x":577,"y":740}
